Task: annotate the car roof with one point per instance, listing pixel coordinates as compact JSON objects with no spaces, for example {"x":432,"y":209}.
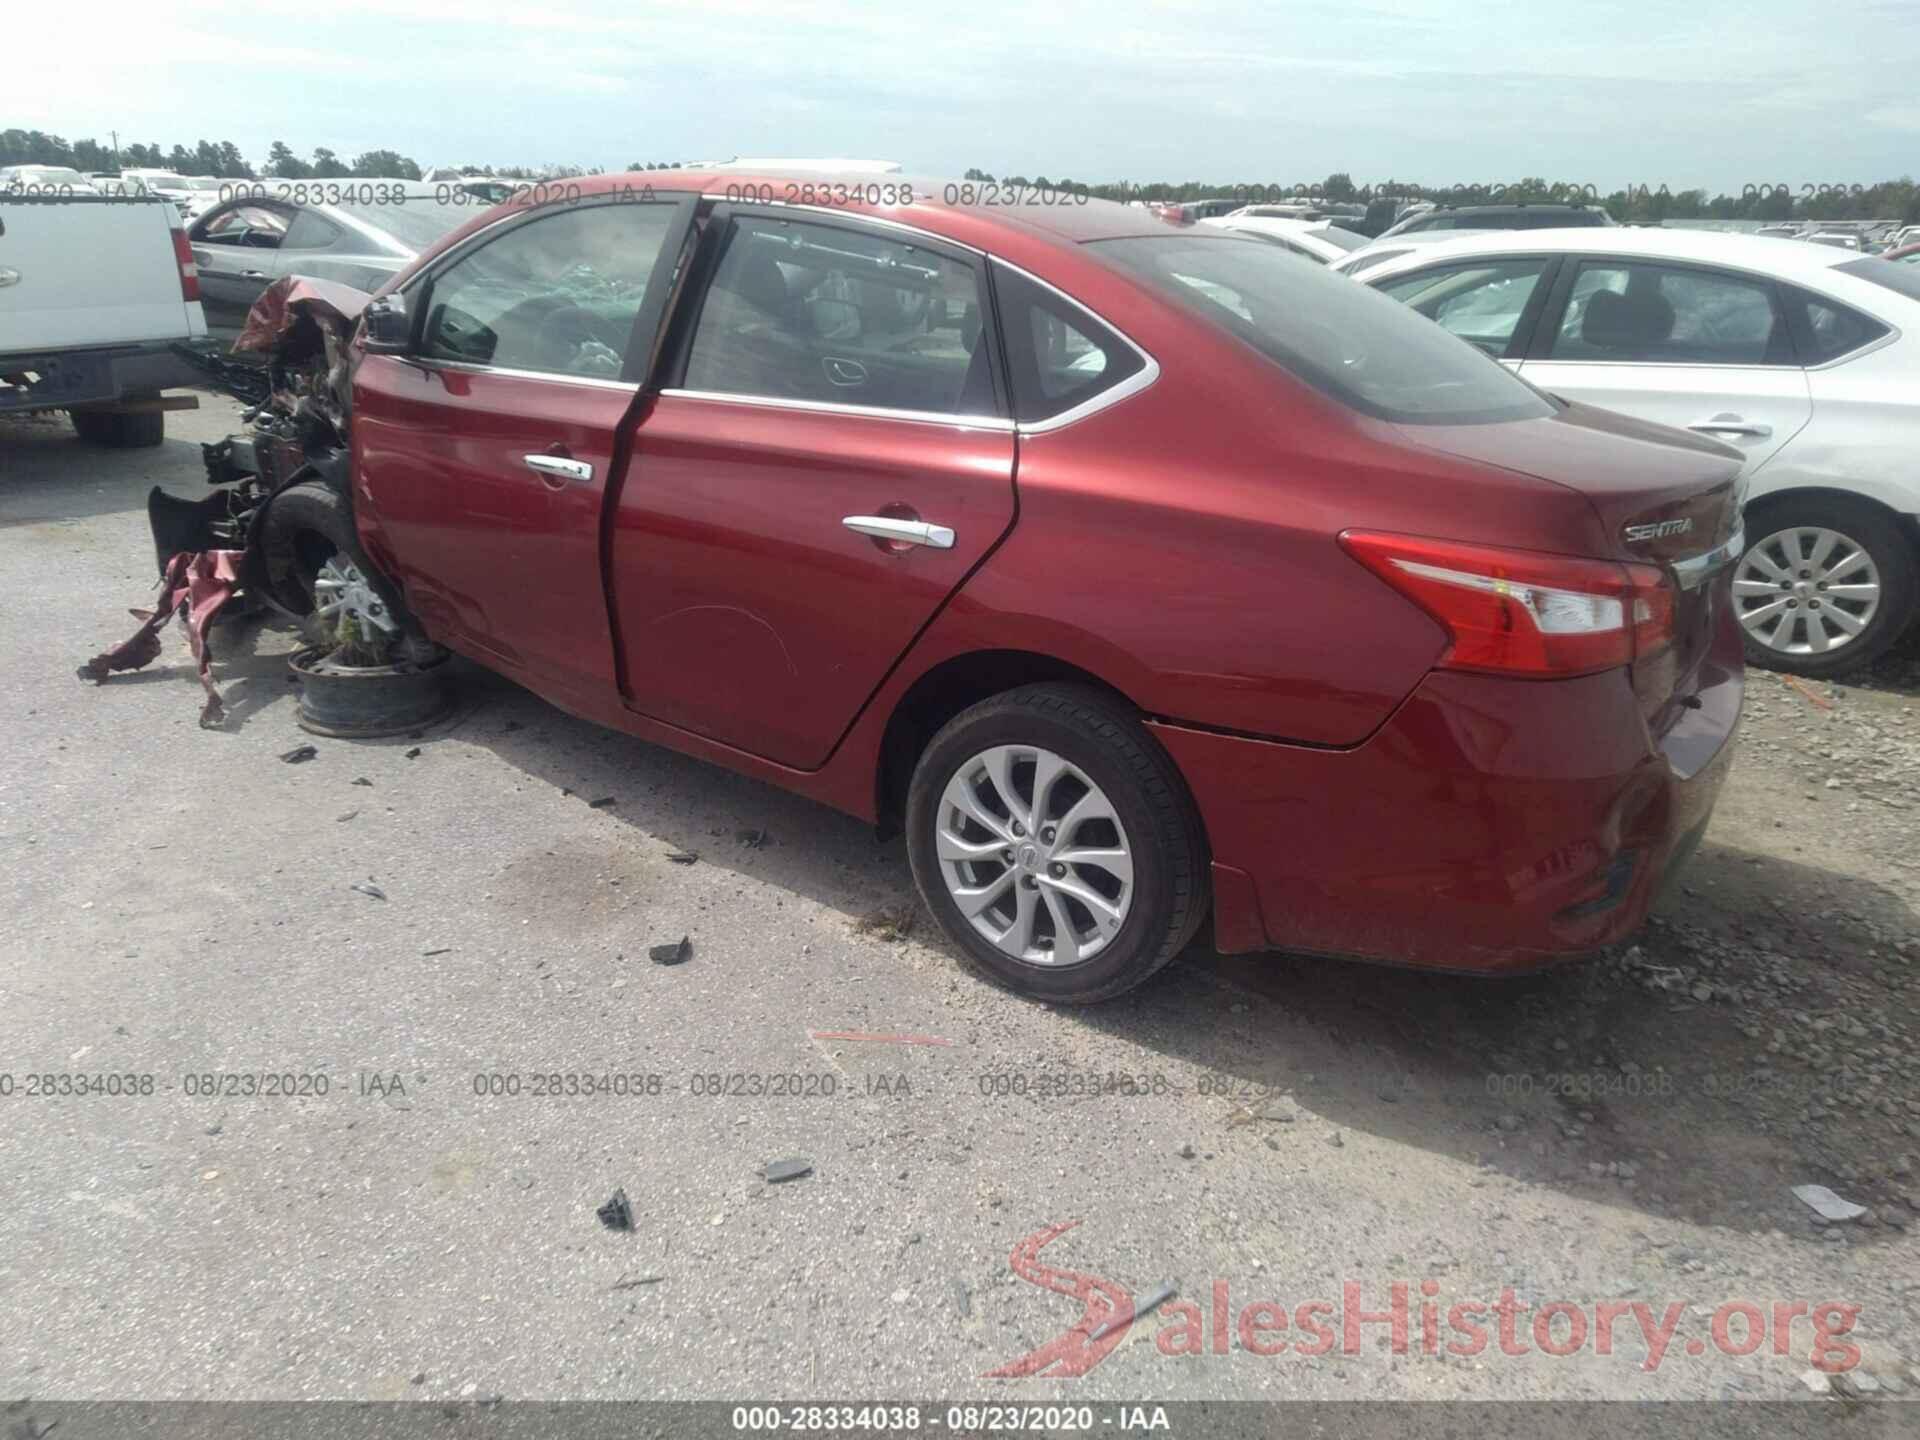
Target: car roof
{"x":1780,"y":257}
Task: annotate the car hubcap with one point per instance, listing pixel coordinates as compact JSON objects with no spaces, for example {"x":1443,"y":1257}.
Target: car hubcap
{"x":1034,"y":855}
{"x":1806,"y":591}
{"x":340,"y":590}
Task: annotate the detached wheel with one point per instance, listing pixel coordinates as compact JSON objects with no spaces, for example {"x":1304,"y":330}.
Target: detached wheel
{"x":1824,"y":587}
{"x":1056,"y":844}
{"x":120,"y":431}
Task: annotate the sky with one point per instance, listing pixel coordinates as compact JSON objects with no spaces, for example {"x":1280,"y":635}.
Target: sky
{"x":1713,"y":93}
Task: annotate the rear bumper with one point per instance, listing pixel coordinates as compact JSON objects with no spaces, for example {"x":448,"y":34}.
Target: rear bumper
{"x":66,"y":378}
{"x":1489,"y":825}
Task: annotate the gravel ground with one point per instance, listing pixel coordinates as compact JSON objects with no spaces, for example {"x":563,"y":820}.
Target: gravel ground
{"x":1627,"y":1129}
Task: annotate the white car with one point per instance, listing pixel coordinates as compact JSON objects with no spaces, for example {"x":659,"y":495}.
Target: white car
{"x":1379,"y":251}
{"x":1806,"y":358}
{"x":1317,"y":240}
{"x":45,"y":180}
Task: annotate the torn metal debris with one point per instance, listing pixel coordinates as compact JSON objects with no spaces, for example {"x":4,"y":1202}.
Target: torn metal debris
{"x":198,"y":586}
{"x":234,"y":543}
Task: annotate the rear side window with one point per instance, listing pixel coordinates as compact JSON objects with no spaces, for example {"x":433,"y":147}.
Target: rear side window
{"x":1621,"y":310}
{"x":558,"y":295}
{"x":833,"y":315}
{"x":1360,"y":347}
{"x":309,"y":232}
{"x":1899,"y":276}
{"x":1827,"y":330}
{"x":1059,"y":356}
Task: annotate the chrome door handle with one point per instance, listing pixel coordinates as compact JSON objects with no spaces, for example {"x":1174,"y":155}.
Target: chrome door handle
{"x":907,"y":532}
{"x":1731,"y":425}
{"x":253,"y":274}
{"x":558,"y":465}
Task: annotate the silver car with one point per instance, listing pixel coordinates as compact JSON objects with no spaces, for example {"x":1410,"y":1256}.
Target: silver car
{"x":1805,"y":358}
{"x":356,"y":232}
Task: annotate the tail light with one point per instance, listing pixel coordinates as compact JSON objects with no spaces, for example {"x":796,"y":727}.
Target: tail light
{"x":189,"y":272}
{"x":1522,"y":612}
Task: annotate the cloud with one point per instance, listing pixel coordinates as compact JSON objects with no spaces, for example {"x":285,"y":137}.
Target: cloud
{"x":1613,"y":91}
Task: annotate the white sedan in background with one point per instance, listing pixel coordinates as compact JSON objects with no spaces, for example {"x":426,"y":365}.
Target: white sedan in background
{"x":1804,"y":357}
{"x":1318,"y":240}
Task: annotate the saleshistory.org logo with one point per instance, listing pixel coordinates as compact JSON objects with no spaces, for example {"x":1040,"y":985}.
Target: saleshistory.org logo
{"x":1470,"y":1327}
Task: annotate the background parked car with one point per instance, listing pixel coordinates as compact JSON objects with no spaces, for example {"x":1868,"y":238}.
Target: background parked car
{"x":1378,"y":252}
{"x":46,"y":179}
{"x":1519,"y":216}
{"x":1319,"y":241}
{"x":247,"y":242}
{"x":95,"y":296}
{"x":1184,"y":210}
{"x":1806,"y":358}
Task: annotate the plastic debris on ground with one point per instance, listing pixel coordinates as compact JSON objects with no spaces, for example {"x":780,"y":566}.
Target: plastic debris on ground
{"x":1827,"y":1205}
{"x":676,"y":953}
{"x":616,"y":1214}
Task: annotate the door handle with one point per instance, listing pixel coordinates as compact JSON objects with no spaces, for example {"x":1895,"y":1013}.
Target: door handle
{"x":559,"y":466}
{"x":253,"y":274}
{"x":1731,"y":425}
{"x":905,"y":532}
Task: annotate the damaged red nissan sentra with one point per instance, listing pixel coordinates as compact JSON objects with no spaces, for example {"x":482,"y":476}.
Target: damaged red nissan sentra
{"x":1138,"y":572}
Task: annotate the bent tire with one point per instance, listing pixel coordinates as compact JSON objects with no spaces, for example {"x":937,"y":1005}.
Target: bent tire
{"x":120,"y":431}
{"x":305,"y":526}
{"x":1056,"y":843}
{"x":1825,"y":586}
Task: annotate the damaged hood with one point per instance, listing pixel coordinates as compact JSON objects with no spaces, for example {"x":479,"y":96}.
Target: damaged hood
{"x":306,"y":327}
{"x":275,"y":317}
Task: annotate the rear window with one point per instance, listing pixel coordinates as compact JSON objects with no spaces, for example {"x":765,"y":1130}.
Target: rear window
{"x":416,"y":221}
{"x":1345,"y":239}
{"x":1362,"y":348}
{"x":1894,"y":277}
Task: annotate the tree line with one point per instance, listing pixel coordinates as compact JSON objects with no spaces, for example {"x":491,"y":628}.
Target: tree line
{"x":1887,"y":200}
{"x":1768,"y":200}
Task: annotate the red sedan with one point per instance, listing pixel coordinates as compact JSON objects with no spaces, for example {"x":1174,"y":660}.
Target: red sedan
{"x":1136,"y":570}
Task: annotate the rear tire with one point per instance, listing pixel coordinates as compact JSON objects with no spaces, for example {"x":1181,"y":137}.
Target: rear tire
{"x":1101,"y":753}
{"x":1871,"y":546}
{"x":137,"y":430}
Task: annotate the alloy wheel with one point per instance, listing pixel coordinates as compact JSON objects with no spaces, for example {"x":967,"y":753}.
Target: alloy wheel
{"x":340,"y":590}
{"x":1806,"y":590}
{"x":1034,"y":855}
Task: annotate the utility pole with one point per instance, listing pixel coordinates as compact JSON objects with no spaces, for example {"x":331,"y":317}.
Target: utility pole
{"x":116,"y":148}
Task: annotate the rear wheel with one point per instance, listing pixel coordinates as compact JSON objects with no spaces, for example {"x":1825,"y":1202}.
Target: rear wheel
{"x":120,"y":430}
{"x":1825,"y":585}
{"x":1056,"y":843}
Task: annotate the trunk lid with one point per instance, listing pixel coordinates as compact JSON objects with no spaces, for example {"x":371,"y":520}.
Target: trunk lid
{"x":1659,"y":496}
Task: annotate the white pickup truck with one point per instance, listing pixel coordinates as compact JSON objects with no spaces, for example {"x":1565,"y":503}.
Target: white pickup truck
{"x":95,"y":293}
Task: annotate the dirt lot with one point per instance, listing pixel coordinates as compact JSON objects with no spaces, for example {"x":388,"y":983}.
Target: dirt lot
{"x":1626,"y":1130}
